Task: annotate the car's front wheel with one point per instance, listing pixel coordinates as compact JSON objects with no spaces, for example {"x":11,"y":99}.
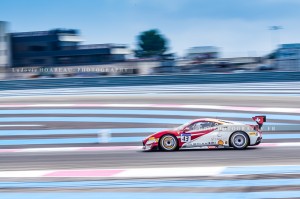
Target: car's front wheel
{"x":168,"y":143}
{"x":239,"y":140}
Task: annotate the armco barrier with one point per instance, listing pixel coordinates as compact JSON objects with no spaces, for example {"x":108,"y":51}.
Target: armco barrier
{"x":149,"y":80}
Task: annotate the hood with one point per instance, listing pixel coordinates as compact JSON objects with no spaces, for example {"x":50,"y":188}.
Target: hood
{"x":161,"y":133}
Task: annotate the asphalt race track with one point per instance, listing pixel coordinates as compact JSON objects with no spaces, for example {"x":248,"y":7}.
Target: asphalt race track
{"x":139,"y":159}
{"x":64,"y":122}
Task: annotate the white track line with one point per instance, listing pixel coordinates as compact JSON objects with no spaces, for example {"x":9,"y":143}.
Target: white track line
{"x":155,"y":172}
{"x":20,"y":125}
{"x":181,"y":106}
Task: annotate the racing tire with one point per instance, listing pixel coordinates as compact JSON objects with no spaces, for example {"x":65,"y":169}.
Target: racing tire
{"x":239,"y":140}
{"x":168,"y":143}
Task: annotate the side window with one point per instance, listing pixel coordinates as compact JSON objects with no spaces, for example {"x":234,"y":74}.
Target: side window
{"x":214,"y":124}
{"x":202,"y":125}
{"x":198,"y":126}
{"x":207,"y":124}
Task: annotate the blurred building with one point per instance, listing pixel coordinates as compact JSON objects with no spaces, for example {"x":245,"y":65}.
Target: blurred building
{"x":200,"y":53}
{"x":206,"y":59}
{"x":222,"y":65}
{"x":288,"y":57}
{"x":61,"y":47}
{"x":60,"y":53}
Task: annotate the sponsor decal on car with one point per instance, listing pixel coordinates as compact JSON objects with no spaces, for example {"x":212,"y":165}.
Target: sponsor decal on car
{"x":220,"y":142}
{"x":152,"y":140}
{"x":211,"y":147}
{"x":253,"y":133}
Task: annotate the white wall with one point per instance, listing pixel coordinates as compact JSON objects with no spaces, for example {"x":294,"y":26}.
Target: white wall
{"x":4,"y":48}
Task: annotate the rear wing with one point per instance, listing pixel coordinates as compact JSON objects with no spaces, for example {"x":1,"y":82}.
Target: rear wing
{"x":260,"y":120}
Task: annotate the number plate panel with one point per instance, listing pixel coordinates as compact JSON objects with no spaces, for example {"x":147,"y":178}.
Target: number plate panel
{"x":186,"y":137}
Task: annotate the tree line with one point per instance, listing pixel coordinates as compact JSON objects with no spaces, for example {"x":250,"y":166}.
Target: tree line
{"x":151,"y":43}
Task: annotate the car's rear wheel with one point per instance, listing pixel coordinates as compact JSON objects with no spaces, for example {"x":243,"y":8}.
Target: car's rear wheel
{"x":168,"y":143}
{"x":239,"y":140}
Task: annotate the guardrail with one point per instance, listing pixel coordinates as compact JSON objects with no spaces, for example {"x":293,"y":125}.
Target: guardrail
{"x":149,"y":80}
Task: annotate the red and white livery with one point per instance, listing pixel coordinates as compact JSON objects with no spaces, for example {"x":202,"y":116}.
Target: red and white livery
{"x":209,"y":133}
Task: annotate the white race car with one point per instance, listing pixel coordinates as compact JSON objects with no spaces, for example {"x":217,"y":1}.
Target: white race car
{"x":207,"y":132}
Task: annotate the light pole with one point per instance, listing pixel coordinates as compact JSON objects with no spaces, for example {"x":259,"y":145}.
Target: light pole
{"x":276,"y":35}
{"x":276,"y":42}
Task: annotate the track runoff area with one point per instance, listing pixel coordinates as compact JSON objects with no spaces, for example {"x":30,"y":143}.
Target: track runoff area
{"x":90,"y":147}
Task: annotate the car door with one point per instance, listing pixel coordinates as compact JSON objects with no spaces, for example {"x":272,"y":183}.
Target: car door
{"x":197,"y":134}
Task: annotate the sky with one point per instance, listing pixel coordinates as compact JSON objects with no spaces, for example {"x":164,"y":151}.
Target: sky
{"x":237,"y":27}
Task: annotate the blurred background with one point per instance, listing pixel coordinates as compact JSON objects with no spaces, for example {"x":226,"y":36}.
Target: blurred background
{"x":136,"y":37}
{"x":83,"y":82}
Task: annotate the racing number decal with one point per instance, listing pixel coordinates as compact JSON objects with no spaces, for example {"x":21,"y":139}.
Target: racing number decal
{"x":185,"y":137}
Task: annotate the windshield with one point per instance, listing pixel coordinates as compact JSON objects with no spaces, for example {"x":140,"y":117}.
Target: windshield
{"x":181,"y":127}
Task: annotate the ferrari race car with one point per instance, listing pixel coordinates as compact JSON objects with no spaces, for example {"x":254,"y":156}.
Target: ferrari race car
{"x":207,"y":133}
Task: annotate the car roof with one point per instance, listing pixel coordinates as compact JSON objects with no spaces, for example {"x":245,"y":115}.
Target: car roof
{"x":212,"y":120}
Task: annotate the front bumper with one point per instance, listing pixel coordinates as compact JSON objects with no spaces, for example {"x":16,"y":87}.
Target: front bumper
{"x":150,"y":144}
{"x":258,"y":141}
{"x":147,"y":147}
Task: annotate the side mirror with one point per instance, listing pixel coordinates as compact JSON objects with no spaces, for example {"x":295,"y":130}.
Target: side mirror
{"x":186,"y":129}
